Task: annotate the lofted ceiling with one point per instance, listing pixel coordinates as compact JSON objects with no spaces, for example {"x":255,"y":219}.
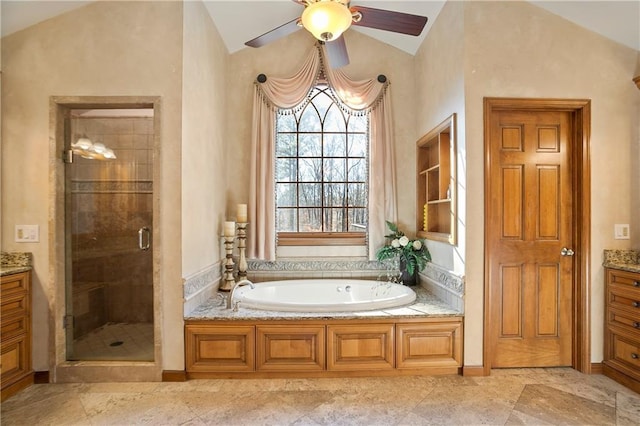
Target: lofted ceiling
{"x":242,"y":20}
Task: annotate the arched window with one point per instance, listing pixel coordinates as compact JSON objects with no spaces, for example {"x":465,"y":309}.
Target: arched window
{"x":321,"y":173}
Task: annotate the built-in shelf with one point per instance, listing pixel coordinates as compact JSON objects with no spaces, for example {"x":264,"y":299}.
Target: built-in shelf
{"x":436,"y":183}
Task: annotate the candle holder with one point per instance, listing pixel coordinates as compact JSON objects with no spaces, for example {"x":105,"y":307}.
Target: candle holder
{"x":229,"y":282}
{"x":242,"y":260}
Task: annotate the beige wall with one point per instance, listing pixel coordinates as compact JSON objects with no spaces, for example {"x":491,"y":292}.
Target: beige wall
{"x":103,"y":49}
{"x":439,"y":71}
{"x":514,"y":49}
{"x":204,"y":169}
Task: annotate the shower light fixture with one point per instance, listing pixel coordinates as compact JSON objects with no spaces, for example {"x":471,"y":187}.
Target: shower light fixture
{"x":93,"y":151}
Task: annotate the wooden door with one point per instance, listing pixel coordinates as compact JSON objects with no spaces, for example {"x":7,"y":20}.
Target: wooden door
{"x":530,"y":238}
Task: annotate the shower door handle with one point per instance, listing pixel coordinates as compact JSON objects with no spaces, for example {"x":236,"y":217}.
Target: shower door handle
{"x":141,"y":238}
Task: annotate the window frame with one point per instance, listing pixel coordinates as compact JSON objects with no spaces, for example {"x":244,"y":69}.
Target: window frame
{"x":323,"y":238}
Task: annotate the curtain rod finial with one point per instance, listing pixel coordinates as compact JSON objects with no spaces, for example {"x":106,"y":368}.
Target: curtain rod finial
{"x":261,"y":78}
{"x":382,"y":78}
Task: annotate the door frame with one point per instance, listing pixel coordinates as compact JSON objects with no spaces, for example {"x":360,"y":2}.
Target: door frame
{"x":580,"y":111}
{"x":61,"y":370}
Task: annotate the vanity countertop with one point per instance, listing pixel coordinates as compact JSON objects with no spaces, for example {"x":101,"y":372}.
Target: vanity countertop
{"x":624,"y":260}
{"x":426,"y":305}
{"x":14,"y":263}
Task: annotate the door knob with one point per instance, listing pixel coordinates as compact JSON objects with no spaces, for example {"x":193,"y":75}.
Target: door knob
{"x":567,"y":252}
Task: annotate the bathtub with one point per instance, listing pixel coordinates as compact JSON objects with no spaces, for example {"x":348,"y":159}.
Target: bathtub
{"x":329,"y":295}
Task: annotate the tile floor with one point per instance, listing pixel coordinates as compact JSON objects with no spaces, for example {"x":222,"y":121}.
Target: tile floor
{"x":116,"y":342}
{"x":507,"y":397}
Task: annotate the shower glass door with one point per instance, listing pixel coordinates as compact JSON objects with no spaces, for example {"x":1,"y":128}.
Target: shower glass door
{"x":109,"y":222}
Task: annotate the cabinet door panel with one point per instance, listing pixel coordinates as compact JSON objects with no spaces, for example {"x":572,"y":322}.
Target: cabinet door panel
{"x":285,"y":348}
{"x":15,"y":359}
{"x":211,"y":348}
{"x":429,"y":345}
{"x":360,"y":347}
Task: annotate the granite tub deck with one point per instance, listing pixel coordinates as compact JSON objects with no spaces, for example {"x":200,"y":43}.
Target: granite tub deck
{"x":624,"y":260}
{"x":14,"y":263}
{"x":425,"y":305}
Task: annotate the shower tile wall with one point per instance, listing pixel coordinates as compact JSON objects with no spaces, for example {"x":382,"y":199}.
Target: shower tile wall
{"x":111,"y":200}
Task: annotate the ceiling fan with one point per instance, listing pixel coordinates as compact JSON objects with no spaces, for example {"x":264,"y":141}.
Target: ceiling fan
{"x":328,"y":19}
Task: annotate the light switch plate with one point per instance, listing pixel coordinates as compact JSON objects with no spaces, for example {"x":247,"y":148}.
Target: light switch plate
{"x":27,"y":233}
{"x":621,"y":231}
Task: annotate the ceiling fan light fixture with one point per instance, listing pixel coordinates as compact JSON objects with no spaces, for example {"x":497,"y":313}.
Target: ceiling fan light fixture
{"x":326,"y":19}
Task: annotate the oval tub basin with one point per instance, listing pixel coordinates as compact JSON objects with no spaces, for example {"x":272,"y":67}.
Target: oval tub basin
{"x":331,"y":295}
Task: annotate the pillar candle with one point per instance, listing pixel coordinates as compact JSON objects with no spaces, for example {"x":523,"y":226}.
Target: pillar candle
{"x":229,"y":229}
{"x":242,"y":213}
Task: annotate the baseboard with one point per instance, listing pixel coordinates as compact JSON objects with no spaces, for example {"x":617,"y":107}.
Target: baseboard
{"x":474,"y":371}
{"x":40,"y":377}
{"x":174,"y":376}
{"x":597,"y":368}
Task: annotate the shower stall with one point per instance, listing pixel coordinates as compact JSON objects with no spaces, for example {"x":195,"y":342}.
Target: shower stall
{"x":108,"y":235}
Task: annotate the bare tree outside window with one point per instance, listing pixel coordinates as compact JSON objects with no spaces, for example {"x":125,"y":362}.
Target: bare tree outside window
{"x":321,"y":168}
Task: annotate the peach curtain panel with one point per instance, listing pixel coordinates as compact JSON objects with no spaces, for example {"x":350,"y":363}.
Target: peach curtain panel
{"x":369,"y":96}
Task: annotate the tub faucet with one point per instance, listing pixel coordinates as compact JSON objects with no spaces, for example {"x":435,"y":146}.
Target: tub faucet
{"x":239,"y":284}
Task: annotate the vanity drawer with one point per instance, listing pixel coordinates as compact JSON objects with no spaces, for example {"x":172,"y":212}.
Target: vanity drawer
{"x":12,"y":327}
{"x":14,"y":284}
{"x":624,"y":299}
{"x":624,"y":320}
{"x":624,"y":279}
{"x":15,"y":304}
{"x":626,"y":351}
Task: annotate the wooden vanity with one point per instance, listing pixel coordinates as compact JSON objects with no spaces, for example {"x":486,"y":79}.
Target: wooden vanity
{"x":15,"y":317}
{"x":622,"y":327}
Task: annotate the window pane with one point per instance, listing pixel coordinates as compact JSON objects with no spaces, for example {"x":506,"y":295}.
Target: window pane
{"x":310,"y":120}
{"x":357,"y":123}
{"x":334,"y":220}
{"x":310,"y":220}
{"x":286,"y":123}
{"x":334,"y":120}
{"x":357,"y":171}
{"x":334,"y":145}
{"x":286,"y":170}
{"x":357,"y":195}
{"x":310,"y":145}
{"x":286,"y":145}
{"x":335,"y":194}
{"x":357,"y":145}
{"x":286,"y":195}
{"x":310,"y":170}
{"x":357,"y":220}
{"x":321,"y":168}
{"x":334,"y":169}
{"x":322,"y":101}
{"x":310,"y":195}
{"x":287,"y":220}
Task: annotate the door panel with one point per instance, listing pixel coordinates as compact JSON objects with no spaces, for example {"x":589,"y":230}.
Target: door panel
{"x":529,"y":222}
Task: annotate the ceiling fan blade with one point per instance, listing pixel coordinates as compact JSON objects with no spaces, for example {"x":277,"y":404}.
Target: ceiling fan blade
{"x":337,"y":52}
{"x":388,"y":20}
{"x":276,"y":33}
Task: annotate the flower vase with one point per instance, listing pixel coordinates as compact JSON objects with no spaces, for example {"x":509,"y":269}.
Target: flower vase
{"x":406,"y":278}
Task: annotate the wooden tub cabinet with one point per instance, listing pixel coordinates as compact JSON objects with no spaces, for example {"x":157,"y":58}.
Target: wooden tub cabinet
{"x":323,"y":347}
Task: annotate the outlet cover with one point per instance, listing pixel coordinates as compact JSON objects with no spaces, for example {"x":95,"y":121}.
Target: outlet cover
{"x":621,"y":231}
{"x":27,"y":233}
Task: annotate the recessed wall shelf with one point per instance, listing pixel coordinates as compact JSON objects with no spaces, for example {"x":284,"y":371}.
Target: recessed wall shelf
{"x":436,"y":210}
